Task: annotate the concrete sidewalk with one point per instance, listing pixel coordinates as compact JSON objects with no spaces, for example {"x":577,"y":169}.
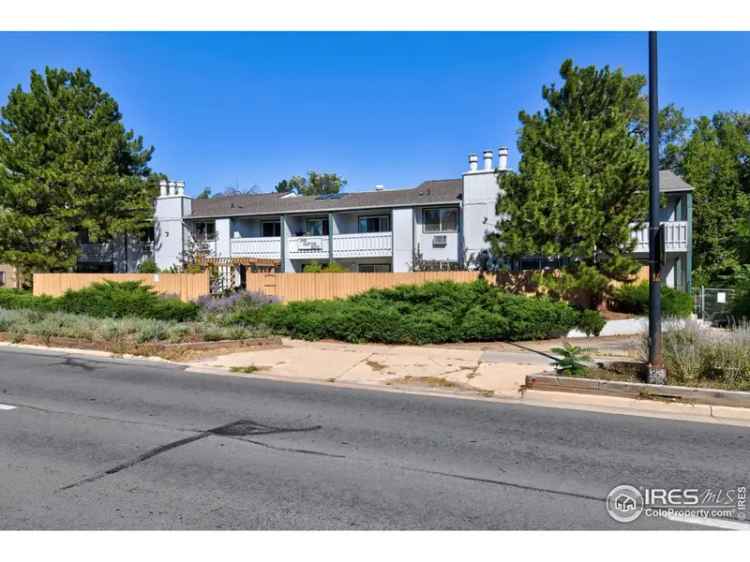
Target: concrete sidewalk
{"x":483,"y":371}
{"x":493,"y":370}
{"x":497,"y":369}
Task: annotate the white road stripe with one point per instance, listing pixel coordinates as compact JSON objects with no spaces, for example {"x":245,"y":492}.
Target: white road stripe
{"x":708,"y":522}
{"x":7,"y":407}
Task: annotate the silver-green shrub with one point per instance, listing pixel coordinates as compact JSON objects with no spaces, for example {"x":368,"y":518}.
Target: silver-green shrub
{"x":696,"y":354}
{"x":47,"y":325}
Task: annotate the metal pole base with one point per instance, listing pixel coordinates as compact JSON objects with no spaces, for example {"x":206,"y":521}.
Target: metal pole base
{"x":657,"y":375}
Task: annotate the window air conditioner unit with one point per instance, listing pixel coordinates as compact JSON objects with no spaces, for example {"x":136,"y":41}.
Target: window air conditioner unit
{"x":440,"y":241}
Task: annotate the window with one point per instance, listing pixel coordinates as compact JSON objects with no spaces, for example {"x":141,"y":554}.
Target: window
{"x":316,"y":227}
{"x":204,"y":231}
{"x":147,"y":235}
{"x":2,"y":279}
{"x":374,"y":268}
{"x":440,"y":220}
{"x":374,"y":224}
{"x":95,"y":267}
{"x":271,"y":229}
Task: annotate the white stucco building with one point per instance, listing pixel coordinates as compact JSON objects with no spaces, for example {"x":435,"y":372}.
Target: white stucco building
{"x":439,"y":221}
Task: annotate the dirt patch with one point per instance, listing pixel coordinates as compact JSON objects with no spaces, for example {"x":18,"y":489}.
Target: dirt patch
{"x":438,"y":382}
{"x":375,"y":366}
{"x":249,"y":369}
{"x":171,"y":351}
{"x":600,"y":373}
{"x":612,"y":315}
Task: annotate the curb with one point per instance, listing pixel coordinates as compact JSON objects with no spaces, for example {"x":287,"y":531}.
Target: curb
{"x":162,"y":350}
{"x":550,"y":398}
{"x":675,"y":394}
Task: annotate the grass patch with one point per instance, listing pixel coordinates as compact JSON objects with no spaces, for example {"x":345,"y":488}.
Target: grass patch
{"x":439,"y":382}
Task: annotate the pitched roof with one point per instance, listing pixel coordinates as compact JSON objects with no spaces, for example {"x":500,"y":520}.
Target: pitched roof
{"x":427,"y":193}
{"x":669,"y":181}
{"x":433,"y":192}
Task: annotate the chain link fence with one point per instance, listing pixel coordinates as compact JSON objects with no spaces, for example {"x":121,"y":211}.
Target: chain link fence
{"x":713,"y":305}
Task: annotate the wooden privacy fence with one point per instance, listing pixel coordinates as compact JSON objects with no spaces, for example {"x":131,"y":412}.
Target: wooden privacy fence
{"x":309,"y":286}
{"x":187,"y":286}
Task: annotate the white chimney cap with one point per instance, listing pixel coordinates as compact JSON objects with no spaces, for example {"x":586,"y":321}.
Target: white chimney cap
{"x":487,"y":156}
{"x":502,"y":153}
{"x":180,"y":187}
{"x":163,"y":188}
{"x":473,"y":160}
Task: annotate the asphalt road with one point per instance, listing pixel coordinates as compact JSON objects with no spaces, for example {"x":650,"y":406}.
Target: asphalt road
{"x":105,"y":444}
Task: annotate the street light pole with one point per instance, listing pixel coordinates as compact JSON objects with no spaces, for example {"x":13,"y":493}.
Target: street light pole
{"x":656,"y":372}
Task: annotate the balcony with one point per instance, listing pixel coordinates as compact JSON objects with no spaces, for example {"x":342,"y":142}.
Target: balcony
{"x":308,"y":247}
{"x":365,"y":245}
{"x":96,"y":252}
{"x":265,"y":247}
{"x":675,"y":232}
{"x":110,"y":250}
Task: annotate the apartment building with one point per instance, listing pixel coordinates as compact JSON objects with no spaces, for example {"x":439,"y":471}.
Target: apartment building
{"x":440,"y":222}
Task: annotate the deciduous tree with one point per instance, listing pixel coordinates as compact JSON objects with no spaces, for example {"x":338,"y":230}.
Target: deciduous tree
{"x":315,"y":183}
{"x":716,"y":162}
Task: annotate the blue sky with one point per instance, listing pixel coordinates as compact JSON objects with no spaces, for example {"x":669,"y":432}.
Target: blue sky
{"x":377,"y":108}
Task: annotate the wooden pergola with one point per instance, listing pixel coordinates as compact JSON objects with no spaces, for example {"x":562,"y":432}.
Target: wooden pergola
{"x":255,"y":265}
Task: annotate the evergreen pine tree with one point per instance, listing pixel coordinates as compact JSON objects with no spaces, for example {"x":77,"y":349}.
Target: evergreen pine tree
{"x":67,"y":166}
{"x":582,"y":179}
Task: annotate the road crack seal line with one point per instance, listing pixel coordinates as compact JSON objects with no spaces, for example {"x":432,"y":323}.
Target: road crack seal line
{"x":102,"y":418}
{"x":140,"y":458}
{"x":531,"y":350}
{"x":234,"y":429}
{"x":290,"y":450}
{"x":503,"y":483}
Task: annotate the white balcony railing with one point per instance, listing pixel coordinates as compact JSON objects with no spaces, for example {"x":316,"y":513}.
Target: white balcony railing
{"x":96,"y":251}
{"x":373,"y":244}
{"x":308,"y":247}
{"x":675,"y":233}
{"x":265,"y":247}
{"x":109,"y":251}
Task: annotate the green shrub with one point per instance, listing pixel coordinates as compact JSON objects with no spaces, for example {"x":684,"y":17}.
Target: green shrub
{"x":331,"y":267}
{"x":109,"y":299}
{"x":127,"y":299}
{"x":741,"y":302}
{"x":15,"y":299}
{"x":590,"y":322}
{"x":148,"y":266}
{"x":312,"y":267}
{"x":634,"y":299}
{"x":741,"y":305}
{"x":572,"y":361}
{"x":419,"y":314}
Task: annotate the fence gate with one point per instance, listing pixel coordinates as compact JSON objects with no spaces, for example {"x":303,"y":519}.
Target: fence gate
{"x":713,"y":305}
